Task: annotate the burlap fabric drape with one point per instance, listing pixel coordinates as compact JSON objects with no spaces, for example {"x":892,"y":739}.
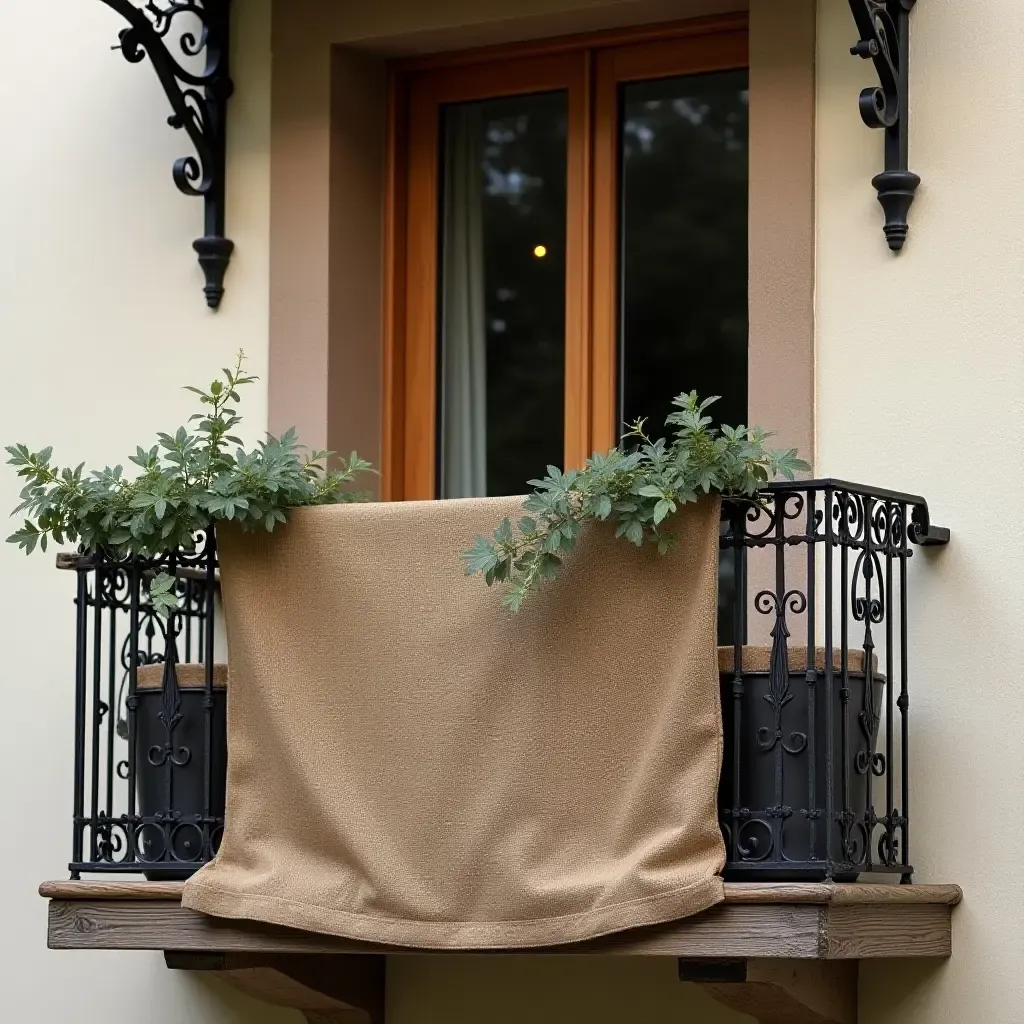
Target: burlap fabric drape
{"x":409,"y":764}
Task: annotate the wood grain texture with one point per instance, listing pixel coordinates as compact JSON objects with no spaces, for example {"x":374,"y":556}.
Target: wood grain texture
{"x":890,"y":895}
{"x":732,"y":930}
{"x":749,"y":893}
{"x":112,"y":890}
{"x":578,"y":280}
{"x":760,"y":921}
{"x":792,"y":932}
{"x":416,"y":389}
{"x":877,"y":930}
{"x":393,"y":318}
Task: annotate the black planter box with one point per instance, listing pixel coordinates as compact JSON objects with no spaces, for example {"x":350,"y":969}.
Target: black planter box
{"x":176,"y":829}
{"x":778,"y":788}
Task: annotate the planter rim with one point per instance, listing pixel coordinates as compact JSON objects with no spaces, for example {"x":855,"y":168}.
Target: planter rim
{"x":191,"y":676}
{"x":758,"y":658}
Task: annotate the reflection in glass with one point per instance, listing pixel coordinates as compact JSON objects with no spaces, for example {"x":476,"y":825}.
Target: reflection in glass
{"x":684,"y":245}
{"x":502,"y":294}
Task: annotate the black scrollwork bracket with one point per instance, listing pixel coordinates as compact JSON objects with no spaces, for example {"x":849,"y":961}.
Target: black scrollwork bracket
{"x":884,"y":27}
{"x":200,"y":30}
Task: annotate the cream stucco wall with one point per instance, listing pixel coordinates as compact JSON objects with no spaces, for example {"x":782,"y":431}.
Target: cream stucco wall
{"x":101,"y":318}
{"x":920,"y":382}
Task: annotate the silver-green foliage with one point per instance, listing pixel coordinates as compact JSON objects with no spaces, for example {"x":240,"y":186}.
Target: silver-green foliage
{"x":638,"y":490}
{"x":188,"y":481}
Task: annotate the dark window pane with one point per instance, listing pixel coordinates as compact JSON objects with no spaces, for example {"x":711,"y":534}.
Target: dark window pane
{"x":684,"y":256}
{"x":502,"y":294}
{"x":684,"y":245}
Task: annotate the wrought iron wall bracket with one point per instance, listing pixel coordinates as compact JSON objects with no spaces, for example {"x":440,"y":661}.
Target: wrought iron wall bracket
{"x":884,"y":27}
{"x":200,"y":30}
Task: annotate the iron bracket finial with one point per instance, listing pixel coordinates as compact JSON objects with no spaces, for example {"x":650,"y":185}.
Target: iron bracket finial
{"x":884,"y":27}
{"x":198,"y":99}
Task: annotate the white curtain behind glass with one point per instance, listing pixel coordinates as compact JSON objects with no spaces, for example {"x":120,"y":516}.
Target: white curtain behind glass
{"x":463,"y":321}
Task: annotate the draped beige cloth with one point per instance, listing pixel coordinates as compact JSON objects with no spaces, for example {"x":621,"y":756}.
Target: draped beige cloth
{"x":410,"y":764}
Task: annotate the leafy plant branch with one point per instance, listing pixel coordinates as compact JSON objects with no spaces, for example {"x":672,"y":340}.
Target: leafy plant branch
{"x":639,"y":490}
{"x":187,"y":482}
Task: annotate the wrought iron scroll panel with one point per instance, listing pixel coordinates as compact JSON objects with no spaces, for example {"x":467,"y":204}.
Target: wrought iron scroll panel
{"x":199,"y":30}
{"x":119,"y":825}
{"x":884,"y":27}
{"x":816,"y":779}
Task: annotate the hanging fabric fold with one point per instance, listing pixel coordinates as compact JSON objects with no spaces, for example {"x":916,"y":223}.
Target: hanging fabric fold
{"x":410,"y":764}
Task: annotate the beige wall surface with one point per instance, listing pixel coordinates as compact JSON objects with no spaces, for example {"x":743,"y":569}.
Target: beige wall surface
{"x":921,"y":386}
{"x":552,"y":990}
{"x":102,"y":319}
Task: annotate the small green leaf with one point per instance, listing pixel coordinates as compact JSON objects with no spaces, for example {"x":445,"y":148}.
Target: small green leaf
{"x":664,"y":508}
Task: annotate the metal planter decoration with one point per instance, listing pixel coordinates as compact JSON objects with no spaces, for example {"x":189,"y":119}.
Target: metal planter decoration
{"x":815,"y":685}
{"x":150,"y":716}
{"x":200,"y":30}
{"x":884,"y":27}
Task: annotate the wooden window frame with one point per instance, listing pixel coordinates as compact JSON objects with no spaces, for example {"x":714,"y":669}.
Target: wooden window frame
{"x":591,"y":69}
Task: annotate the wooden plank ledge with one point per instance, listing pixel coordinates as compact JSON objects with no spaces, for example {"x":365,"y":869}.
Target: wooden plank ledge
{"x":735,"y":893}
{"x":786,"y":953}
{"x":823,"y":922}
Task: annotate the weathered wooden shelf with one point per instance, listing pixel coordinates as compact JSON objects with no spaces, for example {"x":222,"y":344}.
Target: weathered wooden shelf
{"x":785,"y":953}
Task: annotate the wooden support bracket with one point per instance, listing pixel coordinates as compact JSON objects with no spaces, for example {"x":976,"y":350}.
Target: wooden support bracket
{"x":781,"y":991}
{"x":325,"y":988}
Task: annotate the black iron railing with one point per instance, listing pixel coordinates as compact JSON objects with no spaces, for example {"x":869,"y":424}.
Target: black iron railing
{"x":814,"y":680}
{"x":150,"y":725}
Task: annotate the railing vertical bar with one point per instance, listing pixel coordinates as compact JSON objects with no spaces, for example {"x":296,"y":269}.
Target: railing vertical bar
{"x":97,"y":700}
{"x":112,"y":709}
{"x":189,"y":598}
{"x":201,"y":634}
{"x":737,"y":517}
{"x":904,"y":701}
{"x":170,"y":678}
{"x":868,"y":701}
{"x":890,"y":520}
{"x":81,"y":656}
{"x":778,"y":820}
{"x":844,"y":654}
{"x":132,"y":704}
{"x":812,"y":678}
{"x":830,"y":821}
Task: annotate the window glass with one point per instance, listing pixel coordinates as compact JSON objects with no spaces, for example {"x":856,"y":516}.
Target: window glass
{"x":683,"y":270}
{"x":502,"y":293}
